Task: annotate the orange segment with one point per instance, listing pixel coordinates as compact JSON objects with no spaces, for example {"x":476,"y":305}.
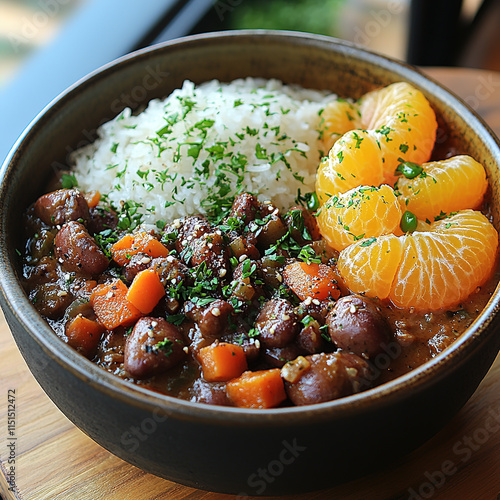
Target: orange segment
{"x":353,"y":161}
{"x":440,"y":187}
{"x":444,"y":266}
{"x":436,"y":269}
{"x":369,"y":266}
{"x":359,"y":213}
{"x":404,"y":122}
{"x":337,"y":118}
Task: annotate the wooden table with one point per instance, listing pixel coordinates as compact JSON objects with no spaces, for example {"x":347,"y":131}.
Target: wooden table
{"x":55,"y":461}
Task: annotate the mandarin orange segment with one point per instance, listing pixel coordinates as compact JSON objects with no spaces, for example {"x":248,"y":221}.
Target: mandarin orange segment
{"x":354,"y":160}
{"x":450,"y":185}
{"x":436,"y":269}
{"x":440,"y":263}
{"x":425,"y":275}
{"x":404,"y":122}
{"x":361,"y":212}
{"x":369,"y":266}
{"x":337,"y":118}
{"x":443,"y":267}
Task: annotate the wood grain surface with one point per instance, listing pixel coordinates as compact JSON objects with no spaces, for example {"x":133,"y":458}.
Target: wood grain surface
{"x":55,"y":461}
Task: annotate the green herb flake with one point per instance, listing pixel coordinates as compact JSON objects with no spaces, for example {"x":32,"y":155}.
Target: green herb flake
{"x":368,"y":242}
{"x":409,"y":169}
{"x":165,"y":346}
{"x":260,"y":152}
{"x":68,"y":181}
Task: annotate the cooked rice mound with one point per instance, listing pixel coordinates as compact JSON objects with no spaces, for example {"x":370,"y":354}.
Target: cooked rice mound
{"x":194,"y":151}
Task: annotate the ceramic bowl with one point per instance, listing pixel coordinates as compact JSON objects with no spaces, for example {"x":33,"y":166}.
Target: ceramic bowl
{"x":226,"y":449}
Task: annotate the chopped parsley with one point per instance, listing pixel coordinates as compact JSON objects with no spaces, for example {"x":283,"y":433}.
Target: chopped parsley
{"x":165,"y":346}
{"x":68,"y":181}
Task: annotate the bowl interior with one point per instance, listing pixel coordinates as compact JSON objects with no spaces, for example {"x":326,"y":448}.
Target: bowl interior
{"x":311,"y":61}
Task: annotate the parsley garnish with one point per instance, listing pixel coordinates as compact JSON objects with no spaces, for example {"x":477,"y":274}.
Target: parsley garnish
{"x":68,"y":181}
{"x":164,"y":346}
{"x":368,"y":242}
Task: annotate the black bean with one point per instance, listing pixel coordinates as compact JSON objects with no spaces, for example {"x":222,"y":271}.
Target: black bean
{"x":309,"y":339}
{"x":213,"y":320}
{"x":137,"y":263}
{"x":278,"y":356}
{"x":277,"y":323}
{"x":62,"y":206}
{"x":51,"y":299}
{"x":356,"y":325}
{"x":190,"y":229}
{"x":154,"y":346}
{"x":102,"y":219}
{"x":325,"y":377}
{"x":212,"y":393}
{"x":171,"y":271}
{"x":78,"y":251}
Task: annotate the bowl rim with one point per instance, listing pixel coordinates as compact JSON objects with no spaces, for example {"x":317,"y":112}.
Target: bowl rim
{"x":15,"y":301}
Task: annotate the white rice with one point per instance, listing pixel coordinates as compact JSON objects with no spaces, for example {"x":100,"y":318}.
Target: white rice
{"x":253,"y":135}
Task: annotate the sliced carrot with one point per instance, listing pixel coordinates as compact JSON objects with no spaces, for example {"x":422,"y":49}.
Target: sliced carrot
{"x":317,"y":281}
{"x":111,"y":306}
{"x":84,"y":334}
{"x":146,"y":290}
{"x":260,"y":389}
{"x":135,"y":243}
{"x":92,"y":198}
{"x":222,"y":361}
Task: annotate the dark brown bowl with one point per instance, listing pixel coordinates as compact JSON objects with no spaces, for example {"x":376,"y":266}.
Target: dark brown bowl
{"x":220,"y":448}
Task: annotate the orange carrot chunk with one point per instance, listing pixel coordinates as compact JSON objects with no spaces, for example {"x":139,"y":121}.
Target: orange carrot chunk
{"x":222,"y":361}
{"x":84,"y":334}
{"x":260,"y":389}
{"x":146,"y":290}
{"x":111,"y":306}
{"x":132,"y":244}
{"x":317,"y":281}
{"x":93,"y":198}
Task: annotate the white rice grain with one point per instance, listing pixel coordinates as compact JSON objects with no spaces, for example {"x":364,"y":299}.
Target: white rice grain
{"x":181,"y":155}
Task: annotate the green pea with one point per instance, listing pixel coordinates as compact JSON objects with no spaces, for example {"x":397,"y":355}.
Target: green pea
{"x":409,"y":169}
{"x":408,"y":222}
{"x":313,"y":202}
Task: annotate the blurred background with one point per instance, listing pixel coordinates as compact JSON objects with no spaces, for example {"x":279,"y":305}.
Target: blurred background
{"x":46,"y":45}
{"x":381,"y":25}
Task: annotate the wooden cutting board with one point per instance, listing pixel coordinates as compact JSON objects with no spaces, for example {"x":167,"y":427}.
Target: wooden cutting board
{"x":55,"y":461}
